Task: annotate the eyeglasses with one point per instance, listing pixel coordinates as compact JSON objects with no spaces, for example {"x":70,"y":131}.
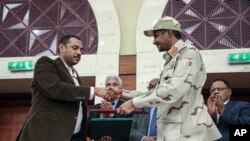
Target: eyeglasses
{"x":218,"y":89}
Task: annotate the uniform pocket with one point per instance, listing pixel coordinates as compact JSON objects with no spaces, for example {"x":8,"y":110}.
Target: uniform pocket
{"x":182,"y":67}
{"x":170,"y":131}
{"x":172,"y":118}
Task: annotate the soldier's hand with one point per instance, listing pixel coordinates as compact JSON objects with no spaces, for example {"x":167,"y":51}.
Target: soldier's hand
{"x":126,"y":108}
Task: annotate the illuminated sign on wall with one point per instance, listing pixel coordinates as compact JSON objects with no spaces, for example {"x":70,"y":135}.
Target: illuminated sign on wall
{"x":20,"y":65}
{"x":239,"y":57}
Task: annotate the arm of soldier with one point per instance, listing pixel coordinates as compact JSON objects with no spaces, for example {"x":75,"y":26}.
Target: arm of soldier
{"x":189,"y":74}
{"x":127,"y":95}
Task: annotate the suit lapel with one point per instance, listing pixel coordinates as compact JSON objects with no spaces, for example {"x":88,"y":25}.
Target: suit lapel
{"x":78,"y":78}
{"x":119,"y":103}
{"x":227,"y":106}
{"x":64,"y":69}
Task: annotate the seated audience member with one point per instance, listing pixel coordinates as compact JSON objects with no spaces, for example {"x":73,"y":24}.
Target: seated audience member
{"x":116,"y":83}
{"x":140,"y":125}
{"x":224,"y":111}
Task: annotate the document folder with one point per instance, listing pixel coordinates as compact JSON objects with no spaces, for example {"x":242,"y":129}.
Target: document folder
{"x":137,"y":111}
{"x":117,"y":128}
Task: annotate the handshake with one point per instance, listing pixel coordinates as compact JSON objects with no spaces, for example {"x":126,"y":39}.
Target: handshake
{"x":109,"y":94}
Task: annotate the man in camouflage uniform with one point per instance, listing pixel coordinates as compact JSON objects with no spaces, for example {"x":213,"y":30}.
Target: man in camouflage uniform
{"x":182,"y":114}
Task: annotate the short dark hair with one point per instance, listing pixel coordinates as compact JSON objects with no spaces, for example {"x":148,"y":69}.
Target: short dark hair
{"x":177,"y":34}
{"x":224,"y":81}
{"x":65,"y":39}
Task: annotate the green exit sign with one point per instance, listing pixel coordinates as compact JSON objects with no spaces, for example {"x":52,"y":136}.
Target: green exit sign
{"x":20,"y":65}
{"x":239,"y":57}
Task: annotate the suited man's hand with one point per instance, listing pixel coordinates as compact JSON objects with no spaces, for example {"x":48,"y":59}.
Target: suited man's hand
{"x":105,"y":93}
{"x":126,"y":108}
{"x":117,"y":91}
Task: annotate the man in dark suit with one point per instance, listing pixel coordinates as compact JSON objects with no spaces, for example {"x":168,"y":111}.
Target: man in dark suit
{"x":59,"y":109}
{"x":140,"y":125}
{"x":225,"y":112}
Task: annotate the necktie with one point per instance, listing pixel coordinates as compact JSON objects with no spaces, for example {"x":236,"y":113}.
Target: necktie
{"x":113,"y":105}
{"x":152,"y":126}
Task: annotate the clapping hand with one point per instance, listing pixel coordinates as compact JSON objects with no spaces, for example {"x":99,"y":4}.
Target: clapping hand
{"x":105,"y":105}
{"x":219,"y":104}
{"x":211,"y":104}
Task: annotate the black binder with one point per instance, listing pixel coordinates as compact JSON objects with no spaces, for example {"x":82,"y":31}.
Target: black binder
{"x":117,"y":128}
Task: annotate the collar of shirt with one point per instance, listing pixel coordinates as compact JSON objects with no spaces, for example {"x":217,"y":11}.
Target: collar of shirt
{"x":114,"y":103}
{"x":174,"y":50}
{"x":72,"y":70}
{"x":226,"y":102}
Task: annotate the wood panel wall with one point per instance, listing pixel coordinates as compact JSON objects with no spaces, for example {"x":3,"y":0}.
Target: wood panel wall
{"x":127,"y":71}
{"x":11,"y":121}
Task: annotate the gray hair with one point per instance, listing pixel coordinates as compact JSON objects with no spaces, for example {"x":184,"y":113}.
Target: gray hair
{"x":117,"y":78}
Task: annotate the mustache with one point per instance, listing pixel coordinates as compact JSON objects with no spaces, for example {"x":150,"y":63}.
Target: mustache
{"x":78,"y":57}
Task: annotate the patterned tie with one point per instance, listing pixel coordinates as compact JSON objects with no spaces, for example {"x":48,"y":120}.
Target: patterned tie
{"x":152,"y":126}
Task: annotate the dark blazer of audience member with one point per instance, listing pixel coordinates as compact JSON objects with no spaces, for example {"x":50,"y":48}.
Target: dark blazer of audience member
{"x":224,"y":111}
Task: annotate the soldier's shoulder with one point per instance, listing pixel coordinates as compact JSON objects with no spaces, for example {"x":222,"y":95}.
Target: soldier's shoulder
{"x":189,"y":51}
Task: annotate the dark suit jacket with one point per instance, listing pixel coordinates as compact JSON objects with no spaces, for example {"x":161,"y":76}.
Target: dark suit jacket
{"x":55,"y":104}
{"x":139,"y":126}
{"x":235,"y":112}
